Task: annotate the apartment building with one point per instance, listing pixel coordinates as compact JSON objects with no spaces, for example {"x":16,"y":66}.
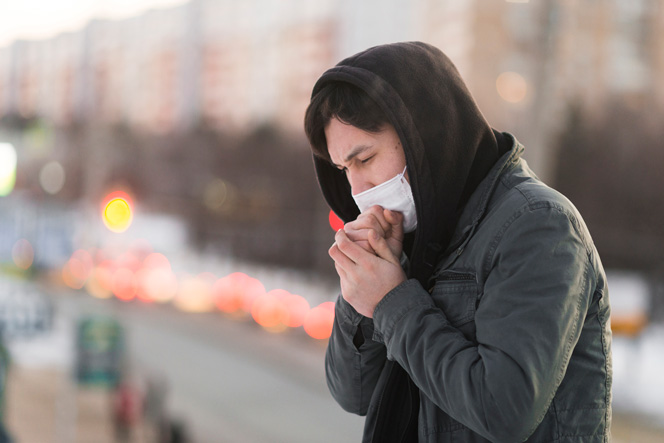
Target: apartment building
{"x":236,"y":65}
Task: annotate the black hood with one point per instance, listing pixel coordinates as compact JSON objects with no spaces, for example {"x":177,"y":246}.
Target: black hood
{"x":448,"y":144}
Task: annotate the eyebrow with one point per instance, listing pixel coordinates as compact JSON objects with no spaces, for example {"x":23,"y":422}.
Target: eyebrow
{"x":357,"y":150}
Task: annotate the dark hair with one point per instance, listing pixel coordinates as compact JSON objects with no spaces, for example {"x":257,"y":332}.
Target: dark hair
{"x":343,"y":101}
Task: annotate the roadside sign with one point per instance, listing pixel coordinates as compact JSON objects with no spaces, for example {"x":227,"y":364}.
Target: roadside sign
{"x":99,"y":351}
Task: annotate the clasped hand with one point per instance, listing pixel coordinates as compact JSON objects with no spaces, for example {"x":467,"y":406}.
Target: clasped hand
{"x":366,"y":256}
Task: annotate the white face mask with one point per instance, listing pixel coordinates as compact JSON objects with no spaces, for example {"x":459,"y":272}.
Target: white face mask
{"x":395,"y":195}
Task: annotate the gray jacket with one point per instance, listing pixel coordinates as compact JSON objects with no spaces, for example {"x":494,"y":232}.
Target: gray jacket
{"x":510,"y":339}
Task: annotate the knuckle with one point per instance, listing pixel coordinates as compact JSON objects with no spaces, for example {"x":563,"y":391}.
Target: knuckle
{"x":374,"y":210}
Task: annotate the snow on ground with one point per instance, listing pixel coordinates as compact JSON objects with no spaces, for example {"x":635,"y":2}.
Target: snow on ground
{"x":638,"y":369}
{"x":53,"y":349}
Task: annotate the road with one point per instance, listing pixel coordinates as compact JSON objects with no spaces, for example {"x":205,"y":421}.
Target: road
{"x":230,"y":380}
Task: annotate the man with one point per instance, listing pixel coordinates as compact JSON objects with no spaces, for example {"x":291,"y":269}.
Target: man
{"x":473,"y":303}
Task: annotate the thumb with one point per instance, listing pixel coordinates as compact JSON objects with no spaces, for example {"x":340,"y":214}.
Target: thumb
{"x":396,"y":220}
{"x":381,"y":248}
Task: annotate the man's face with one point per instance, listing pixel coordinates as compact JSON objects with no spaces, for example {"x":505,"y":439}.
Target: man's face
{"x":368,"y":159}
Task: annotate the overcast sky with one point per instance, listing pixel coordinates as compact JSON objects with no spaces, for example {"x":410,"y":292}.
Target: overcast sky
{"x":39,"y":19}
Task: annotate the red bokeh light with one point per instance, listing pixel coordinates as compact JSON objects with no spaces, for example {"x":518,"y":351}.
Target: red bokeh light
{"x":236,"y":293}
{"x":142,"y":274}
{"x":81,"y":264}
{"x":296,"y":305}
{"x":335,"y":222}
{"x":129,"y":260}
{"x":270,"y":311}
{"x":101,"y":280}
{"x":156,"y":260}
{"x":114,"y":195}
{"x":69,"y":279}
{"x":124,"y":284}
{"x":104,"y":274}
{"x":319,"y":321}
{"x":195,"y":293}
{"x":78,"y":269}
{"x":143,"y":282}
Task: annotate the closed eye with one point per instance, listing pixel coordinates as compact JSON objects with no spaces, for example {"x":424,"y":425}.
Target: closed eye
{"x":367,"y":159}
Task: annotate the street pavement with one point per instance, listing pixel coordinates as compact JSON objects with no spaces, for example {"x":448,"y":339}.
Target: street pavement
{"x":228,"y":380}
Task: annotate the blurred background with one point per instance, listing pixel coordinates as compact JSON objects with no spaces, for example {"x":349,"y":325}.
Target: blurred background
{"x":163,"y":242}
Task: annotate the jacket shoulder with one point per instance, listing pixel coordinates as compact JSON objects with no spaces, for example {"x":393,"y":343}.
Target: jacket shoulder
{"x":520,"y":180}
{"x":521,"y":190}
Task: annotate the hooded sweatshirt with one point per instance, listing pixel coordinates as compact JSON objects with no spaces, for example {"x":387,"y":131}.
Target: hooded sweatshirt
{"x":501,"y":332}
{"x":449,"y":146}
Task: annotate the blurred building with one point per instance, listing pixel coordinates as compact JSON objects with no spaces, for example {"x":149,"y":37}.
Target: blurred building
{"x":236,"y":65}
{"x":233,"y":64}
{"x":197,"y":109}
{"x":529,"y":62}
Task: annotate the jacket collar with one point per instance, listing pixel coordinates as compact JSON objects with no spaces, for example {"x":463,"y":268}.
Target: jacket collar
{"x":477,"y":204}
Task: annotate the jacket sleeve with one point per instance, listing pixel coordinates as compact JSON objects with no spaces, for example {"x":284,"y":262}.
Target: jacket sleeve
{"x":527,"y":321}
{"x":353,"y":361}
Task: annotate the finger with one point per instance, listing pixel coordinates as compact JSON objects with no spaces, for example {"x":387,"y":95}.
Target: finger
{"x":372,"y":219}
{"x":379,"y":245}
{"x":352,"y":251}
{"x":340,"y":259}
{"x":396,"y":220}
{"x":340,"y":271}
{"x":357,"y":234}
{"x":377,"y":214}
{"x":393,"y":217}
{"x":360,"y":239}
{"x":364,"y":244}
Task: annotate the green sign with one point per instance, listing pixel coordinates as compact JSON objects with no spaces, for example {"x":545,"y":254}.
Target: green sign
{"x":99,"y":351}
